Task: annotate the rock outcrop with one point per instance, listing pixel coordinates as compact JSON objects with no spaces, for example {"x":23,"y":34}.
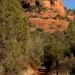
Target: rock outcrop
{"x":56,"y":5}
{"x":49,"y":18}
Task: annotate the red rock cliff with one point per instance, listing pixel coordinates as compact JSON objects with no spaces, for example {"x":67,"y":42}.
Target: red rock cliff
{"x":56,"y":5}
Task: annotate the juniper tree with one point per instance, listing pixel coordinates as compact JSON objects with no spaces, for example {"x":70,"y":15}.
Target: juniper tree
{"x":70,"y":35}
{"x":13,"y":34}
{"x":35,"y":48}
{"x":55,"y":49}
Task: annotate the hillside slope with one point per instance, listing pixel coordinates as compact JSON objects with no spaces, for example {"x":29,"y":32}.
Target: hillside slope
{"x":48,"y":16}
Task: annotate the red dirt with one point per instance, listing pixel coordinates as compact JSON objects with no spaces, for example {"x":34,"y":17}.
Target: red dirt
{"x":49,"y":25}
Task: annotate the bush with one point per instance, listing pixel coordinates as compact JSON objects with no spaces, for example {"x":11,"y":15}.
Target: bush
{"x":59,"y":26}
{"x":39,"y":29}
{"x":35,"y":48}
{"x":2,"y":70}
{"x":31,"y":25}
{"x":13,"y":34}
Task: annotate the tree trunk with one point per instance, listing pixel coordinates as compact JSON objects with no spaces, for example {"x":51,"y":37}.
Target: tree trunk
{"x":57,"y":67}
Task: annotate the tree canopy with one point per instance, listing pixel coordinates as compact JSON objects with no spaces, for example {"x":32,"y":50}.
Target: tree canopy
{"x":13,"y":33}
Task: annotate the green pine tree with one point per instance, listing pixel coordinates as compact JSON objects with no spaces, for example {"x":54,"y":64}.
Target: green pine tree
{"x":55,"y":49}
{"x":13,"y":34}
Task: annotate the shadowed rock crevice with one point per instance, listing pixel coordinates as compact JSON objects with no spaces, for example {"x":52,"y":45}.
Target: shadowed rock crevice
{"x":52,"y":2}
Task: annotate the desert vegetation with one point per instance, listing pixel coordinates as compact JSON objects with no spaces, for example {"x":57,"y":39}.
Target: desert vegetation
{"x":19,"y":45}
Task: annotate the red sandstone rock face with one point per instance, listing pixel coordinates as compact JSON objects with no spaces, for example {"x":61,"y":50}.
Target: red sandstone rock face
{"x":56,"y":5}
{"x":46,"y":4}
{"x":44,"y":19}
{"x":59,"y":7}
